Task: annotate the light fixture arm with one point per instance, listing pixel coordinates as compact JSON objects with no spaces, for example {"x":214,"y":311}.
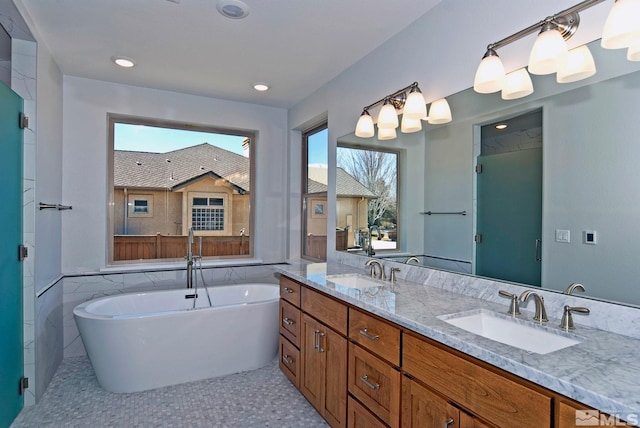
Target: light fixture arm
{"x":397,"y":98}
{"x":559,"y":19}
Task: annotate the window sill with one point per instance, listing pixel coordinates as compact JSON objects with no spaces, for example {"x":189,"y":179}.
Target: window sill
{"x":175,"y":265}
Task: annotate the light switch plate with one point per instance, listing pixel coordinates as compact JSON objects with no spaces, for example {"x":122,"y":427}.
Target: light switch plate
{"x":563,"y":235}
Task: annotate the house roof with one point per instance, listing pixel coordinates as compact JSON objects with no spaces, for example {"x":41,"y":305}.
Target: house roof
{"x":347,"y":185}
{"x":172,"y":170}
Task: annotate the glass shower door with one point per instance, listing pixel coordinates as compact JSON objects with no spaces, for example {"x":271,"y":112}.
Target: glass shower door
{"x":11,"y":322}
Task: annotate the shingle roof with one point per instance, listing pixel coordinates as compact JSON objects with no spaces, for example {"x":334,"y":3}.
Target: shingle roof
{"x":345,"y":183}
{"x":173,"y":169}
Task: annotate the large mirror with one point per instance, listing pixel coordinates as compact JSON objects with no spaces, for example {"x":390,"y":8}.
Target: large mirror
{"x":590,"y":181}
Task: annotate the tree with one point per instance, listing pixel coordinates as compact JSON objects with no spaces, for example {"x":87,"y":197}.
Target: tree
{"x":377,"y":171}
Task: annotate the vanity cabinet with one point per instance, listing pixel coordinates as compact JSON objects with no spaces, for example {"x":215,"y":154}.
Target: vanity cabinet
{"x":289,"y":320}
{"x":483,"y":392}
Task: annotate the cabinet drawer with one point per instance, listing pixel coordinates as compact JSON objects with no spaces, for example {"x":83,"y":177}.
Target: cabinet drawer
{"x":359,"y":417}
{"x":288,"y":361}
{"x":290,"y":291}
{"x":290,"y":322}
{"x":376,"y":335}
{"x":331,"y":312}
{"x":375,"y":383}
{"x":484,"y":392}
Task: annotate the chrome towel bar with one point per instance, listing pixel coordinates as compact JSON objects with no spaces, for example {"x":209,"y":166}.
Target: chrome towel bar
{"x":434,"y":213}
{"x":44,"y":206}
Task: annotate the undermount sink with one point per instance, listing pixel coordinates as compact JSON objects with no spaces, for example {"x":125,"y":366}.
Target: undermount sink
{"x":356,"y":281}
{"x":512,"y":331}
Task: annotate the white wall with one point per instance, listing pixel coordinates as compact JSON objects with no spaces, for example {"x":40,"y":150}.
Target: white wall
{"x":86,"y":104}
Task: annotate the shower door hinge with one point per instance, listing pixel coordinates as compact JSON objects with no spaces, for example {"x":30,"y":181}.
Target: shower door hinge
{"x":23,"y":121}
{"x":479,"y":168}
{"x":478,"y":239}
{"x":23,"y":252}
{"x":23,"y":384}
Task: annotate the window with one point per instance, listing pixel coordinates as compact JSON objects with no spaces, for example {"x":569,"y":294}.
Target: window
{"x":169,"y":177}
{"x":207,"y":213}
{"x":140,"y":206}
{"x":314,"y":193}
{"x":367,"y":202}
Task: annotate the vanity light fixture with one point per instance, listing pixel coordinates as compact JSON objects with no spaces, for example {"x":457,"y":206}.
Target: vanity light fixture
{"x":123,"y":61}
{"x":414,"y":109}
{"x":549,"y":53}
{"x":517,"y":85}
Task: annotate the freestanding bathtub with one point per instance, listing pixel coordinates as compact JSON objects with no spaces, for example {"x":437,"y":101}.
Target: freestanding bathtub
{"x":142,"y":341}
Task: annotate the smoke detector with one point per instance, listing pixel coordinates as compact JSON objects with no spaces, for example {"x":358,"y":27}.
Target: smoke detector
{"x":234,"y":9}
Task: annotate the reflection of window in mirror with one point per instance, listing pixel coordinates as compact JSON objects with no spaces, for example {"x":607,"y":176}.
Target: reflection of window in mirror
{"x":168,"y":178}
{"x":366,"y":205}
{"x":314,"y":192}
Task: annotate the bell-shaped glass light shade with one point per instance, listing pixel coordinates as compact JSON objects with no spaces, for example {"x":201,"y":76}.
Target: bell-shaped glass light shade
{"x":489,"y":75}
{"x":387,"y":117}
{"x":633,"y":54}
{"x":440,"y":112}
{"x":415,"y":107}
{"x":517,"y":85}
{"x":579,"y":65}
{"x":410,"y":125}
{"x":387,"y":133}
{"x":549,"y":52}
{"x":364,"y":127}
{"x":622,"y":27}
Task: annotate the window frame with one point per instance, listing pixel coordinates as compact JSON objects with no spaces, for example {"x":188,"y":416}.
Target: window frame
{"x":115,"y":118}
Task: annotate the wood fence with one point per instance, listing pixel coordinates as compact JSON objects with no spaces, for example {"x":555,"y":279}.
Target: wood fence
{"x":141,"y":247}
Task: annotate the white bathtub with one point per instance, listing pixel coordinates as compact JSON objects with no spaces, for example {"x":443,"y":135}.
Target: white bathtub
{"x":142,"y":341}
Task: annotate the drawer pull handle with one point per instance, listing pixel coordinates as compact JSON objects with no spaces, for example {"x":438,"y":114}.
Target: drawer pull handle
{"x":320,"y":336}
{"x":365,"y":380}
{"x":448,"y":422}
{"x":287,"y":321}
{"x":287,"y":290}
{"x":365,"y":333}
{"x":287,"y":359}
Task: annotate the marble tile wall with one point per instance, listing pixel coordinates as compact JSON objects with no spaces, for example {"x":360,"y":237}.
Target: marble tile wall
{"x":48,"y":331}
{"x":79,"y":289}
{"x":612,"y":317}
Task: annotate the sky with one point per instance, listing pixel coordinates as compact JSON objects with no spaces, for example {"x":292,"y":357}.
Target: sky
{"x":161,"y":140}
{"x":143,"y":138}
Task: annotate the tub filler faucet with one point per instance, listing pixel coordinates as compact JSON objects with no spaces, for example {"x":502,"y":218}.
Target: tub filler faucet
{"x":190,"y":257}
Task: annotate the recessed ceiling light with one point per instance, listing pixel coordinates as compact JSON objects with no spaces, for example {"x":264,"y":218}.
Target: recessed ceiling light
{"x":261,"y":87}
{"x":501,"y":126}
{"x":234,"y":9}
{"x":123,"y":61}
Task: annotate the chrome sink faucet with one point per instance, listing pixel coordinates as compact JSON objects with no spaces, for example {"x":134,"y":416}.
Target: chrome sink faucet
{"x":567,"y":319}
{"x":575,"y":286}
{"x":541,"y":313}
{"x":373,"y":263}
{"x":514,"y":308}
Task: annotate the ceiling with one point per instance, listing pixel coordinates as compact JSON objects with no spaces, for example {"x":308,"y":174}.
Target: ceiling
{"x":296,"y":46}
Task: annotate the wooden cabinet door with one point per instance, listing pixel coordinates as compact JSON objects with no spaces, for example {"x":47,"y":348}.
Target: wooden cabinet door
{"x":312,"y":362}
{"x":423,"y":408}
{"x":323,"y":379}
{"x":468,"y":421}
{"x":334,"y":348}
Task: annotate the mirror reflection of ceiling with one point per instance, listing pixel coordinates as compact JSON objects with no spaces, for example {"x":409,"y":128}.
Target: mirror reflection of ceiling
{"x":589,"y":178}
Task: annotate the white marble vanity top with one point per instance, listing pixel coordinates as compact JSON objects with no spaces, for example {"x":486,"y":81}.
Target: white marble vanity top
{"x":603,"y":371}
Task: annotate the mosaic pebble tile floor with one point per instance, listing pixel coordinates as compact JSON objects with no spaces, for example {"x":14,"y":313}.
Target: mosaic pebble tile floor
{"x":259,"y":398}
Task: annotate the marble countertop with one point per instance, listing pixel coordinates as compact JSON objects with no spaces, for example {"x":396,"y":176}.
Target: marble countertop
{"x":603,"y":371}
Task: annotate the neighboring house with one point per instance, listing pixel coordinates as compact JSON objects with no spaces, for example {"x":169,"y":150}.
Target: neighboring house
{"x":351,"y":204}
{"x":204,"y":187}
